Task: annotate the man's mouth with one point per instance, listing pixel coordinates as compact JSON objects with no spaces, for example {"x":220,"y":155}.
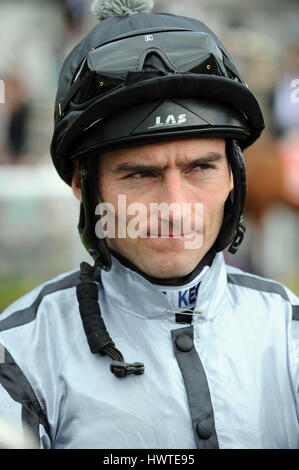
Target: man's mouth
{"x":172,"y":235}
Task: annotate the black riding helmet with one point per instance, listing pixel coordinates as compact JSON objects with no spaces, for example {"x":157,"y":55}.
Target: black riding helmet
{"x":135,"y":79}
{"x":145,"y":78}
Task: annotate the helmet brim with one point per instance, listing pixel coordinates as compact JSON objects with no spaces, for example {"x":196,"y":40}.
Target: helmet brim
{"x":219,"y":89}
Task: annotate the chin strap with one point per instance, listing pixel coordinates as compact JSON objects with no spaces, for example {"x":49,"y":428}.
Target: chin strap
{"x":97,"y":335}
{"x":238,"y":238}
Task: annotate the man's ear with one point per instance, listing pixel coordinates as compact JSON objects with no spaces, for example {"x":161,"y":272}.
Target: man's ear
{"x":76,"y":181}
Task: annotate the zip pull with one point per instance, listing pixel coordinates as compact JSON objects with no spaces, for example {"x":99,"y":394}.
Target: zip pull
{"x":122,"y":369}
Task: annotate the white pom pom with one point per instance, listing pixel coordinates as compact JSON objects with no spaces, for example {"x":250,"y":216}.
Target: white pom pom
{"x":104,"y":8}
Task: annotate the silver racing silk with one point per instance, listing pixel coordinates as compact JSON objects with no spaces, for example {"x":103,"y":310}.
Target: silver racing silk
{"x":227,"y":380}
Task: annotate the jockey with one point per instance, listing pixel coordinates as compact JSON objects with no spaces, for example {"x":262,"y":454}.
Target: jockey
{"x":159,"y":344}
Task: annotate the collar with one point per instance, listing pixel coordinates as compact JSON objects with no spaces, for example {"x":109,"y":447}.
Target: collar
{"x":183,"y":297}
{"x":127,"y":290}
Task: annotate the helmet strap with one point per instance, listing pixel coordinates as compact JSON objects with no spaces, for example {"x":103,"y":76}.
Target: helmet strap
{"x":96,"y":246}
{"x":233,"y":226}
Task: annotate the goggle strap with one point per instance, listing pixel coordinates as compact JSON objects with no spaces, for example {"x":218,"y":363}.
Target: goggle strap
{"x":68,"y":97}
{"x":230,"y":66}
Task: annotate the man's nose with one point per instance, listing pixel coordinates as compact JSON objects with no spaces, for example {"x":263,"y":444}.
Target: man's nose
{"x":173,"y":188}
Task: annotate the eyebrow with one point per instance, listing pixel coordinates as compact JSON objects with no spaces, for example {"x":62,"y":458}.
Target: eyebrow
{"x":134,"y":167}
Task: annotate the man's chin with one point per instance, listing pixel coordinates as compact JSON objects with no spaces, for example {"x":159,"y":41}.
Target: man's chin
{"x":162,"y":259}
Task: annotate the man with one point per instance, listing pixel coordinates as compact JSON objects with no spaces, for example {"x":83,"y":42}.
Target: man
{"x":187,"y":352}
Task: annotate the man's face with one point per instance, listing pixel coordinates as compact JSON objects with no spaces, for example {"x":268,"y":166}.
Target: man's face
{"x":189,"y":171}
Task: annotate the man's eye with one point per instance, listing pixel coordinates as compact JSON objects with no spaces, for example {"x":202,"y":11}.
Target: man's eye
{"x":202,"y":166}
{"x":141,"y":175}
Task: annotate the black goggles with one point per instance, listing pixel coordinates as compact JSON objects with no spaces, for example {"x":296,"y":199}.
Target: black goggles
{"x":171,"y":52}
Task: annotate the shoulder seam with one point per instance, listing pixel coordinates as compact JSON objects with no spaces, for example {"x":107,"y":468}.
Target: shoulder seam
{"x":28,"y":314}
{"x":263,"y":285}
{"x":255,"y":283}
